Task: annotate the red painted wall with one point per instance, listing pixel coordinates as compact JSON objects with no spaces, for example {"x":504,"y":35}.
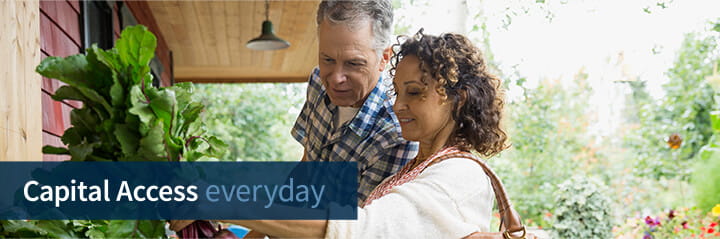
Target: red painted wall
{"x":60,"y":35}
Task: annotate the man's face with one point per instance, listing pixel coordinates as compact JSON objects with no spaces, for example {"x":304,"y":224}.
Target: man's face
{"x":349,"y":66}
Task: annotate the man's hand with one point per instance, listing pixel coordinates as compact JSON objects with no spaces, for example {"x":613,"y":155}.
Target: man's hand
{"x":177,"y":225}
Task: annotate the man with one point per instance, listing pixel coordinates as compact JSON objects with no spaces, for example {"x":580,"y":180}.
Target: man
{"x":347,"y":115}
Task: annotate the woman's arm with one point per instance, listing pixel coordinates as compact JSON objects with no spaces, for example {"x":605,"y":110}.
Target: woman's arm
{"x":450,"y":199}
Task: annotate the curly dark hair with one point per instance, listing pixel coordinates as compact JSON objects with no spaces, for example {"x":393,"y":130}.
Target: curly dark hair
{"x":462,"y":76}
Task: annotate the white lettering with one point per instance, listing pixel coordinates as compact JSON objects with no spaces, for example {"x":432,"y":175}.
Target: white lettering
{"x":124,"y":192}
{"x":26,"y":190}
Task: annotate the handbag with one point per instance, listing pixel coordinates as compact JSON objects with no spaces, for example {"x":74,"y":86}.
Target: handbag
{"x":511,"y":226}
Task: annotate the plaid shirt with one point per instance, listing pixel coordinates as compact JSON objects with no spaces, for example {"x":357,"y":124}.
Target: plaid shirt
{"x":372,"y":138}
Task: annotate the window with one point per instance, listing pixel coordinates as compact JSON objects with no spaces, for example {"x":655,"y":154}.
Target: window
{"x":97,"y":24}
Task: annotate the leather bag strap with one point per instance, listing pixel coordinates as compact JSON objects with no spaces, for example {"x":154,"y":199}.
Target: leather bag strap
{"x":510,"y":223}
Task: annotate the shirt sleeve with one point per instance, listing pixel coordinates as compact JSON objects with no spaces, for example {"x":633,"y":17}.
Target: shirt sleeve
{"x":451,"y":199}
{"x":385,"y":165}
{"x":299,"y":130}
{"x":401,"y":154}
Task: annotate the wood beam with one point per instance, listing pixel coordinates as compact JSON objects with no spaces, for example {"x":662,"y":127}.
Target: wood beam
{"x":236,"y":75}
{"x":20,"y":102}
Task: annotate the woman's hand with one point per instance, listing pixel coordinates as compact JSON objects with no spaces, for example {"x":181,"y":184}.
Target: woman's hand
{"x":177,"y":225}
{"x":253,"y":234}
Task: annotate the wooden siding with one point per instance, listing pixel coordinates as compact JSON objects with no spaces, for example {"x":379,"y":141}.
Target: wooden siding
{"x":20,"y":102}
{"x":60,"y":35}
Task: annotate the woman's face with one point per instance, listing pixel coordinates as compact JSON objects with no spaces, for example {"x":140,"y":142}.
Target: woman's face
{"x":423,"y":113}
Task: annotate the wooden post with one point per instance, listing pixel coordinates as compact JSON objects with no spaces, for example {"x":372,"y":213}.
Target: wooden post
{"x":20,"y":105}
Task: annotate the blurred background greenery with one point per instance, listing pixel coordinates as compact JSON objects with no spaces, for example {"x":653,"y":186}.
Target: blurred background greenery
{"x":254,"y":119}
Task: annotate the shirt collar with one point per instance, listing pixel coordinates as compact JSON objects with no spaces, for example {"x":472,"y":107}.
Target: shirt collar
{"x":374,"y":105}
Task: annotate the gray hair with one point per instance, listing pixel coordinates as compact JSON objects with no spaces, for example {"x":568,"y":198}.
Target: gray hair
{"x":353,"y":12}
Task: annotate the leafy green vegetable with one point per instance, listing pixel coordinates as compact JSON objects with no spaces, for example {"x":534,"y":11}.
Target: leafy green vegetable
{"x":123,"y":118}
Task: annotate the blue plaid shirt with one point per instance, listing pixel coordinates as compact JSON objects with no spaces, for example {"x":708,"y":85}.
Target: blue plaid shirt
{"x":372,"y":138}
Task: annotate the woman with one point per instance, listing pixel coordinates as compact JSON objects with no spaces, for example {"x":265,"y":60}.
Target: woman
{"x":448,"y":102}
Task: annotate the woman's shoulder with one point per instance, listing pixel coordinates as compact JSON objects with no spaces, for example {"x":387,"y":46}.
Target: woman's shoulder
{"x":455,"y":164}
{"x":458,"y":175}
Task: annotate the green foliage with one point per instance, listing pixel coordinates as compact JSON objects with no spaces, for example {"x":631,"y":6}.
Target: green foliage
{"x":582,"y":209}
{"x":685,"y":110}
{"x":706,"y":175}
{"x":706,"y":178}
{"x":547,"y":127}
{"x":83,"y":229}
{"x":517,"y":8}
{"x":254,"y":119}
{"x":55,"y":229}
{"x":123,"y":117}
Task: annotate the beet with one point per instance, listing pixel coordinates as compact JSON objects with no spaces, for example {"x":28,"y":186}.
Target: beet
{"x":225,"y":234}
{"x":198,"y":229}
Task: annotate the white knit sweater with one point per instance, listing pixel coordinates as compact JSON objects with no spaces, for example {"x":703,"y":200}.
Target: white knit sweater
{"x":450,"y":199}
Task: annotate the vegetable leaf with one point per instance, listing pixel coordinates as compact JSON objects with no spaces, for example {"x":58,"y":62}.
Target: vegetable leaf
{"x":123,"y":118}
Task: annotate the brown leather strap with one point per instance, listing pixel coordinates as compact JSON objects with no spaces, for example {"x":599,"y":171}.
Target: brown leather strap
{"x":510,"y":220}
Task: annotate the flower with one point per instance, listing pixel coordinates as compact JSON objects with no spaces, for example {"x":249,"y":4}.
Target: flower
{"x":674,"y":141}
{"x":711,"y":227}
{"x":675,"y":223}
{"x":648,"y":220}
{"x":652,"y":222}
{"x":716,"y":210}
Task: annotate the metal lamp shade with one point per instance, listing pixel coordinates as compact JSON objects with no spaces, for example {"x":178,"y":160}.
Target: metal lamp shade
{"x":267,"y":40}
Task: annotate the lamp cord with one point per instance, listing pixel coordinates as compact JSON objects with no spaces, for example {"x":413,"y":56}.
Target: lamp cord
{"x":267,"y":10}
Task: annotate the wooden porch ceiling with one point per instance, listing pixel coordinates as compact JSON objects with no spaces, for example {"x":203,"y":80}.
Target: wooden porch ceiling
{"x":208,"y":39}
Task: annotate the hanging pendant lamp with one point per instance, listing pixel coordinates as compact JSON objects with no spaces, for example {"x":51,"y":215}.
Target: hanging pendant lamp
{"x":267,"y":40}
